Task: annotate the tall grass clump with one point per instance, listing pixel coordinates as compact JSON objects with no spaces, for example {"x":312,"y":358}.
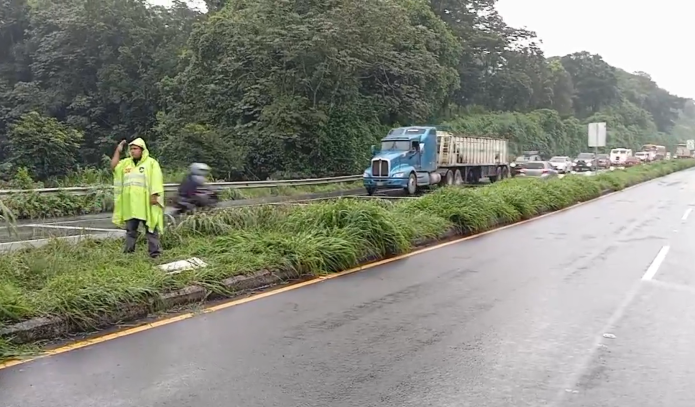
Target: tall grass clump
{"x":466,"y":209}
{"x":370,"y":227}
{"x":226,"y":220}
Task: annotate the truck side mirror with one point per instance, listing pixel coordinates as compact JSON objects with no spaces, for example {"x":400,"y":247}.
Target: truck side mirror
{"x":373,"y":149}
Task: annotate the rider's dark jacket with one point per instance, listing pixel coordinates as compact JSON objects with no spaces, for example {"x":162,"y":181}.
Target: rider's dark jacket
{"x":190,"y":186}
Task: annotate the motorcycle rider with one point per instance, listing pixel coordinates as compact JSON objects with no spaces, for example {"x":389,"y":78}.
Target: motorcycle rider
{"x":193,"y":191}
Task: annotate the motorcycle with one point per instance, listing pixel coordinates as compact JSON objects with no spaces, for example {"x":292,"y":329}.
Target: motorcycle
{"x":184,"y":208}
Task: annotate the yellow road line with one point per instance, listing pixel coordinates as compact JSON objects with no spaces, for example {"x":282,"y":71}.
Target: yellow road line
{"x":145,"y":327}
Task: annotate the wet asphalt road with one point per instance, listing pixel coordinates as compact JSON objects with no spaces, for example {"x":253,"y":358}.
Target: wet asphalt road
{"x":513,"y":318}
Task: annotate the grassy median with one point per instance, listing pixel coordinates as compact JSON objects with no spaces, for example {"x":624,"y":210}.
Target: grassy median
{"x":100,"y":199}
{"x":88,"y":280}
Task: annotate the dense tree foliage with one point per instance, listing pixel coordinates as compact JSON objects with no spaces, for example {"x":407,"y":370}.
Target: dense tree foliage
{"x":297,"y":87}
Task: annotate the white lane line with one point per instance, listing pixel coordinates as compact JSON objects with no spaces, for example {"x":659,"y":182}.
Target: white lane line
{"x":24,"y":244}
{"x":48,"y":226}
{"x":577,"y":374}
{"x":687,"y":213}
{"x":656,"y":263}
{"x":74,"y":221}
{"x":585,"y":363}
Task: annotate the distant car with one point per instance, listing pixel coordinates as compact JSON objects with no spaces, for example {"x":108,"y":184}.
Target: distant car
{"x":562,"y":164}
{"x":585,"y":162}
{"x":632,"y":161}
{"x":538,"y":169}
{"x":603,"y":161}
{"x":532,"y":155}
{"x":518,"y":164}
{"x":643,"y":156}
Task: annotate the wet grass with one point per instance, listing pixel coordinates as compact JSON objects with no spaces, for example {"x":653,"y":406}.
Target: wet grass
{"x":85,"y":281}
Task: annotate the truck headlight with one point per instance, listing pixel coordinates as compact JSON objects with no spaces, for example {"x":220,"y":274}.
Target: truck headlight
{"x":366,"y":174}
{"x":398,"y":175}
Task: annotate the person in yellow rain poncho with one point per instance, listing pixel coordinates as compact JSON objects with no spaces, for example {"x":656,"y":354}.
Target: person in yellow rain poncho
{"x":138,"y":195}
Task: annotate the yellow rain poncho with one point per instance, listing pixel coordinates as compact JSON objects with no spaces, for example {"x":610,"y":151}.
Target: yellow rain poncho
{"x":133,"y":186}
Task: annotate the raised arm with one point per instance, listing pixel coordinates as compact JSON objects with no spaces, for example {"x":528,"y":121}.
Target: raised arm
{"x":116,"y":158}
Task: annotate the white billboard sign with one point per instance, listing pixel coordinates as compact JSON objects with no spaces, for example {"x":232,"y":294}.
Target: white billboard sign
{"x":597,"y":134}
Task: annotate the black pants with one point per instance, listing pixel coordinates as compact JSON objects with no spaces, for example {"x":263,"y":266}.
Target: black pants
{"x":153,"y":245}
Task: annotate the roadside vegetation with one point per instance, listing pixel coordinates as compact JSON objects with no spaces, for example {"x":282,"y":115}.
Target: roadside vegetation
{"x":262,"y":89}
{"x":78,"y":76}
{"x":100,"y":199}
{"x":83,"y":282}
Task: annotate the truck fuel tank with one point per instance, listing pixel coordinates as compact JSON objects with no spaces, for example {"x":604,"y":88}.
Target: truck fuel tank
{"x":435,"y":178}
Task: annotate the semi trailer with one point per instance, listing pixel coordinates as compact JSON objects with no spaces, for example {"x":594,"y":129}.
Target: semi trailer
{"x":682,"y":151}
{"x":419,"y":157}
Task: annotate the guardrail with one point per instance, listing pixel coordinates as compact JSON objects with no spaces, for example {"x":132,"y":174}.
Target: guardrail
{"x":174,"y":187}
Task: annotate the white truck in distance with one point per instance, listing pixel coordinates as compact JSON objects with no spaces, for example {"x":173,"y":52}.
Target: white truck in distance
{"x":620,"y":155}
{"x":654,"y":152}
{"x":682,"y":151}
{"x":644,"y":156}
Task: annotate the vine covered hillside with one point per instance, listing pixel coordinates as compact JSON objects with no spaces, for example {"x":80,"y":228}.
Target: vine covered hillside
{"x":296,"y":88}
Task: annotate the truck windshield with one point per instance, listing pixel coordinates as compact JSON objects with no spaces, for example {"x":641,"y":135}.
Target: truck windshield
{"x":398,"y":145}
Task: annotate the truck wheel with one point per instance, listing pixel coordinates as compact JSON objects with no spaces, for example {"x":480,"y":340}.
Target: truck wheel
{"x":449,"y":178}
{"x":371,"y":191}
{"x":458,"y":178}
{"x":498,"y":175}
{"x":412,"y":184}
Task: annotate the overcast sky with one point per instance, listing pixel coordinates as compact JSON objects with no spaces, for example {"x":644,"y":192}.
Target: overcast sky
{"x":653,"y":37}
{"x":632,"y":35}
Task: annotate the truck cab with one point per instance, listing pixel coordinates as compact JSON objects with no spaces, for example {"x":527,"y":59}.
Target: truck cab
{"x":644,"y":156}
{"x":405,"y":159}
{"x":620,"y":155}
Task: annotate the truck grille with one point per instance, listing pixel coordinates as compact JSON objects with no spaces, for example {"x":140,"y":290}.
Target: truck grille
{"x":380,"y":168}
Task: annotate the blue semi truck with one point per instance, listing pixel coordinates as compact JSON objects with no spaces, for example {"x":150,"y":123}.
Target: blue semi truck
{"x":418,"y":157}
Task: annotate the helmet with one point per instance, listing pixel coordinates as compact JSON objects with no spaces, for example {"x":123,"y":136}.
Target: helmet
{"x":200,"y":169}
